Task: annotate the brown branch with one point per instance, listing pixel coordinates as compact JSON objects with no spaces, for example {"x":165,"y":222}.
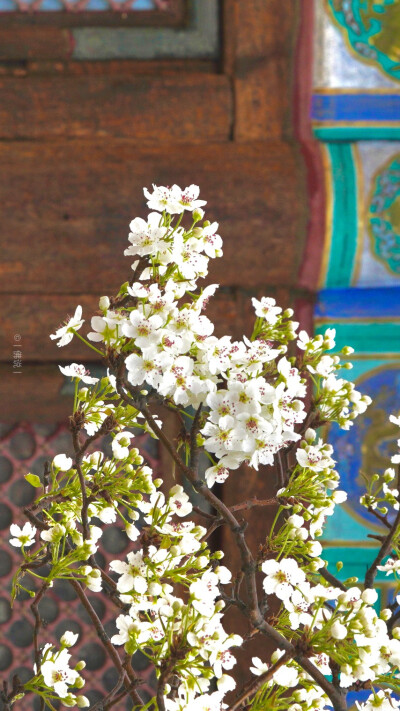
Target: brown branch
{"x":200,"y":511}
{"x":194,"y":430}
{"x":82,"y":483}
{"x":249,"y":566}
{"x":257,"y":683}
{"x":251,"y":503}
{"x":109,"y":700}
{"x":383,"y":551}
{"x":38,"y":622}
{"x":7,"y":697}
{"x":35,"y":521}
{"x":129,"y":675}
{"x":382,"y":519}
{"x":281,"y":473}
{"x":332,"y":579}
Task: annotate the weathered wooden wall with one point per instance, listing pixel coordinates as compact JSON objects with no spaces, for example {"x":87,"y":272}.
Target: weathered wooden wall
{"x":79,"y":140}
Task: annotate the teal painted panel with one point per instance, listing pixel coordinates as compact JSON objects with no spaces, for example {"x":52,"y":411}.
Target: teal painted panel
{"x":344,"y":218}
{"x":342,"y":526}
{"x":366,"y":337}
{"x":356,"y":561}
{"x":357,"y":133}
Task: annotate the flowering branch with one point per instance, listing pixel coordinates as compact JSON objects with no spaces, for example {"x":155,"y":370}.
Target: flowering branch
{"x":248,"y":402}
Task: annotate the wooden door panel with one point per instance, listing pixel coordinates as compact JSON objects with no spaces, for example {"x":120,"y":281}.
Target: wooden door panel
{"x":66,"y":208}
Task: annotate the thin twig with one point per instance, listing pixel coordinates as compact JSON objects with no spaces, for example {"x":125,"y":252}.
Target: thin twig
{"x":251,"y":503}
{"x":383,"y":551}
{"x":256,"y":684}
{"x":129,"y":674}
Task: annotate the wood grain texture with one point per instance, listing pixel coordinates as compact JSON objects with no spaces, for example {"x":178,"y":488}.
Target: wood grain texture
{"x":34,"y":43}
{"x":34,"y":317}
{"x":116,"y":67}
{"x":35,"y":395}
{"x":264,"y":35}
{"x":147,"y":109}
{"x":66,"y":209}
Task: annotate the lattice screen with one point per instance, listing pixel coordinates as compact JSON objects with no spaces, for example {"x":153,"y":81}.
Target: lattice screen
{"x":24,"y":448}
{"x":77,"y":6}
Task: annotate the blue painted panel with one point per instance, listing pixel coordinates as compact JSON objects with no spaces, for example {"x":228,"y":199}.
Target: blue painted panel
{"x":337,"y":304}
{"x":366,"y":448}
{"x":355,"y":107}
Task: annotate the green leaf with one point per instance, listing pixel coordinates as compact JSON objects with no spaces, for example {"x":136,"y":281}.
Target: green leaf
{"x":33,"y":480}
{"x":124,"y":289}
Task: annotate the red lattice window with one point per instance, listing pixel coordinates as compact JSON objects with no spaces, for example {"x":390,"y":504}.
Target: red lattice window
{"x":32,"y":13}
{"x":25,"y":448}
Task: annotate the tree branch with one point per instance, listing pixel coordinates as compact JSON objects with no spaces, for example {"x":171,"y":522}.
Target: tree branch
{"x":258,"y":682}
{"x":383,"y":551}
{"x":129,"y":675}
{"x":249,"y":566}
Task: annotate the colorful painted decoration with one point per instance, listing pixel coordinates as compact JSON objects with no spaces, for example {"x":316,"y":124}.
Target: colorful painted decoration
{"x":372,"y":29}
{"x":369,"y":320}
{"x":366,"y":448}
{"x":384,"y":214}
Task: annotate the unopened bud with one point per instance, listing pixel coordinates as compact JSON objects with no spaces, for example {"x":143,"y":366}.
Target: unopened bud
{"x":338,"y":631}
{"x":202,"y":561}
{"x":198,"y":214}
{"x":177,"y":605}
{"x":104,"y":303}
{"x":385,"y":614}
{"x":347,"y":350}
{"x":369,"y":596}
{"x":69,"y":700}
{"x":351,"y":581}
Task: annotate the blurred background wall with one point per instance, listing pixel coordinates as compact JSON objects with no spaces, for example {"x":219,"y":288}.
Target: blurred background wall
{"x":286,"y":113}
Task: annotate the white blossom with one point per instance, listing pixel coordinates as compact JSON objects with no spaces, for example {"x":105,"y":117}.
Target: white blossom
{"x":282,"y":577}
{"x":133,"y":573}
{"x":24,"y":536}
{"x":267,"y":309}
{"x":78,"y":371}
{"x":57,"y":674}
{"x":62,"y":462}
{"x":65,"y":333}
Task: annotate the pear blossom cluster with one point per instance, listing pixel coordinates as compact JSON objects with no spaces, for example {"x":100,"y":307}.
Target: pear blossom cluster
{"x":56,"y":679}
{"x":344,"y":622}
{"x":157,"y":615}
{"x":243,"y":401}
